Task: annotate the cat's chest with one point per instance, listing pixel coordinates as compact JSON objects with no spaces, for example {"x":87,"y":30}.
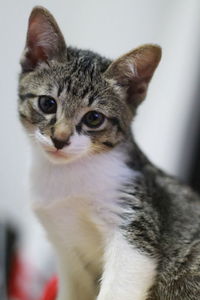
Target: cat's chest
{"x":89,"y":186}
{"x":78,"y":204}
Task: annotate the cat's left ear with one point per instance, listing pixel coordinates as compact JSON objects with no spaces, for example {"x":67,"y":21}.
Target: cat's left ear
{"x":134,"y":70}
{"x":44,"y":39}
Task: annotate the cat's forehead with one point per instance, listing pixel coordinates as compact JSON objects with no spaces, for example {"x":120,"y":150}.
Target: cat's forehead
{"x":76,"y":82}
{"x":76,"y":76}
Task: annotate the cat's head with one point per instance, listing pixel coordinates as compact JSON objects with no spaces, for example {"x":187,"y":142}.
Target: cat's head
{"x":74,"y":102}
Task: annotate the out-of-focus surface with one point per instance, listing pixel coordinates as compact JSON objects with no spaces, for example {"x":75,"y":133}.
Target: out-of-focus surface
{"x":167,"y":122}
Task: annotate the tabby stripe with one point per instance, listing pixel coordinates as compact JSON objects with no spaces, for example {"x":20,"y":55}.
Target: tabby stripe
{"x":91,"y":100}
{"x":79,"y":128}
{"x":22,"y":115}
{"x":116,"y":122}
{"x":52,"y":131}
{"x":108,"y":144}
{"x":52,"y":121}
{"x":36,"y":116}
{"x":130,"y":205}
{"x":60,"y":89}
{"x":23,"y":97}
{"x":92,"y":71}
{"x":68,"y":83}
{"x":85,"y":92}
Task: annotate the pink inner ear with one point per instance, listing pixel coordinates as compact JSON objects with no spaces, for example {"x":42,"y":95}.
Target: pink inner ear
{"x":134,"y":71}
{"x":44,"y":40}
{"x":37,"y":42}
{"x":146,"y":61}
{"x":36,"y":55}
{"x":38,"y":38}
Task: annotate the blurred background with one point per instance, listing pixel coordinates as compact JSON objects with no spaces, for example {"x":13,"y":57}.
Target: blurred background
{"x":166,"y":128}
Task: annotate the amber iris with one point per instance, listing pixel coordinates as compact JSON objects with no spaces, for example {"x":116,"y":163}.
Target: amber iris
{"x":93,"y":119}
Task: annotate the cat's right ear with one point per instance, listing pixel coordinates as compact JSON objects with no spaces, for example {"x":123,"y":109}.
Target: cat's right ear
{"x":44,"y":40}
{"x":134,"y":70}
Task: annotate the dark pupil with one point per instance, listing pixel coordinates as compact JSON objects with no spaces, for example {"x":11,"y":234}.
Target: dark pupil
{"x":47,"y":104}
{"x":94,"y":119}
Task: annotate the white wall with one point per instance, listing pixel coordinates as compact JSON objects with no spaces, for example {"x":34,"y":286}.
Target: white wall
{"x":112,"y":28}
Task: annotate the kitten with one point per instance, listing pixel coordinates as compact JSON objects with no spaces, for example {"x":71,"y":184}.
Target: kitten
{"x":122,"y":229}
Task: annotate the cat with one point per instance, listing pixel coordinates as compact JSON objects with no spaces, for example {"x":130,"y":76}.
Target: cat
{"x":121,"y":227}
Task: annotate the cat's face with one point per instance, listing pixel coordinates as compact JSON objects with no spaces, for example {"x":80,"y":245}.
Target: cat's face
{"x":72,"y":112}
{"x":75,"y":103}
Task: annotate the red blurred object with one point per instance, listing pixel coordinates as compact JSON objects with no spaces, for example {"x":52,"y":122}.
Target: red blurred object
{"x":17,"y":279}
{"x":20,"y":281}
{"x":51,"y":289}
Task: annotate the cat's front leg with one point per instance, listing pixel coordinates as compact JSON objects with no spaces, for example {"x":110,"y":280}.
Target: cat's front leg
{"x":75,"y":282}
{"x":128,"y":273}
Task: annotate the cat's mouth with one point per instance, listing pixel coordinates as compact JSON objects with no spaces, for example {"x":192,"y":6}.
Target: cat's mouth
{"x":57,"y":153}
{"x":59,"y":156}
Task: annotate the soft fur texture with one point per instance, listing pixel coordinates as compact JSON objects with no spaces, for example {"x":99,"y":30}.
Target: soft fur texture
{"x":122,"y":229}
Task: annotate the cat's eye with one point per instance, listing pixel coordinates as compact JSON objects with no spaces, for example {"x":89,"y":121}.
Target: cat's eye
{"x":47,"y":104}
{"x":93,"y":119}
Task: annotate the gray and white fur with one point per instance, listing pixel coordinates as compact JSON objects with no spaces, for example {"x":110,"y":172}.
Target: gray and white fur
{"x":121,"y":228}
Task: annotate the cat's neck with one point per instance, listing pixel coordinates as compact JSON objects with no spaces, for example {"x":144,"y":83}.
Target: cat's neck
{"x":103,"y":171}
{"x":79,"y":203}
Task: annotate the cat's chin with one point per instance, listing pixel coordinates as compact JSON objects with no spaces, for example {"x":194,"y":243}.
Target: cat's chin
{"x":59,"y":157}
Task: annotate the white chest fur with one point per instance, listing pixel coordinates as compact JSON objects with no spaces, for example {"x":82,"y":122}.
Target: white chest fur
{"x":78,"y":205}
{"x":94,"y":182}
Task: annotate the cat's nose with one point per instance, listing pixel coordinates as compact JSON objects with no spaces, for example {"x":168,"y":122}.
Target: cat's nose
{"x":59,"y":144}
